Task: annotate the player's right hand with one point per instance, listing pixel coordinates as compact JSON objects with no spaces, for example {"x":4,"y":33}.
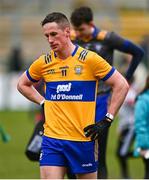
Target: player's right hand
{"x":94,"y":131}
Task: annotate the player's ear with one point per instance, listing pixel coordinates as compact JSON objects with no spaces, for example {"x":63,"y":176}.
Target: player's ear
{"x":67,"y":31}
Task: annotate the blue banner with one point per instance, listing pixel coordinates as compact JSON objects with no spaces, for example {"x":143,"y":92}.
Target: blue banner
{"x":71,"y":91}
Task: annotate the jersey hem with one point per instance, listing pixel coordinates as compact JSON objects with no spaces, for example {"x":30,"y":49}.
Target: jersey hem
{"x":67,"y":139}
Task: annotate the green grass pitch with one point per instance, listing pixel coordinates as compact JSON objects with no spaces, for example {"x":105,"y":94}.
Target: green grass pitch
{"x":14,"y":164}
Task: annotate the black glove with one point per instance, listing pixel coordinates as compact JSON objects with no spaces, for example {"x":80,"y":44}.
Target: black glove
{"x":98,"y":129}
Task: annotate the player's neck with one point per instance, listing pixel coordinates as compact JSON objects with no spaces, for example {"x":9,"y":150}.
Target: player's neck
{"x":68,"y":48}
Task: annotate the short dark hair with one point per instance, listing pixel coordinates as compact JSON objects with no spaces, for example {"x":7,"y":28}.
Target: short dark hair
{"x":56,"y":17}
{"x":81,"y":15}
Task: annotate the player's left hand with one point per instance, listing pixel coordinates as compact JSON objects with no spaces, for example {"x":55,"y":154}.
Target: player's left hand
{"x":94,"y":131}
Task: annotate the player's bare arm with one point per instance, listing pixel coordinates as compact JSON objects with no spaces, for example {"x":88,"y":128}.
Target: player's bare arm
{"x":26,"y":88}
{"x":119,"y":91}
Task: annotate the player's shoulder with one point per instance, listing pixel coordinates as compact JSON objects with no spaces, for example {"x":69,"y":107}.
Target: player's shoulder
{"x":44,"y":58}
{"x":108,"y":35}
{"x":47,"y":58}
{"x":84,"y":54}
{"x":102,"y":34}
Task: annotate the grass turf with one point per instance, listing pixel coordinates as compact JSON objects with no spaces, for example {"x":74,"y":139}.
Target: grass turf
{"x":14,"y":164}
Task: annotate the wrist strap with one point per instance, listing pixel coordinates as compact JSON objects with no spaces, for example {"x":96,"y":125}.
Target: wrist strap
{"x":42,"y":102}
{"x":109,"y":117}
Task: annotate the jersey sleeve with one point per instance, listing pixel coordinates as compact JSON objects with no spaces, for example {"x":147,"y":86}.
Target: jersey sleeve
{"x":100,"y":68}
{"x":114,"y":40}
{"x":34,"y":73}
{"x":111,"y":39}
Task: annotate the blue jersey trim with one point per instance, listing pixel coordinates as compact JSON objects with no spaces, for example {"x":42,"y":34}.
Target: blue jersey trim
{"x":109,"y":74}
{"x":75,"y":50}
{"x":73,"y":53}
{"x":30,"y":78}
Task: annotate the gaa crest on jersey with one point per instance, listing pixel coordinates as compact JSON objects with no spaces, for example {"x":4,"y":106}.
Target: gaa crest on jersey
{"x":78,"y":69}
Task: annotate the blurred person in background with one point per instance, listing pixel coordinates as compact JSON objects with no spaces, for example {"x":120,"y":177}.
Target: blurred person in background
{"x":71,"y":74}
{"x":15,"y":60}
{"x":126,"y":130}
{"x":104,"y":43}
{"x":145,"y":46}
{"x":142,"y":127}
{"x":4,"y":135}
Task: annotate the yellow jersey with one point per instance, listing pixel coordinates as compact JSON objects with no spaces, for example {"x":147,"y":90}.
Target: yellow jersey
{"x":70,"y":93}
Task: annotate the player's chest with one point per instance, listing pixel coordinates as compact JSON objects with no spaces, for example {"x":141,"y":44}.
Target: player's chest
{"x":66,"y":71}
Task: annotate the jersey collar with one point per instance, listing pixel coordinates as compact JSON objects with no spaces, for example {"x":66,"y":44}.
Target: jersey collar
{"x":75,"y":50}
{"x":73,"y":53}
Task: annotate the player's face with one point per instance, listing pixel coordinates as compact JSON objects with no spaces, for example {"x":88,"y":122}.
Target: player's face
{"x":56,"y":36}
{"x":83,"y":31}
